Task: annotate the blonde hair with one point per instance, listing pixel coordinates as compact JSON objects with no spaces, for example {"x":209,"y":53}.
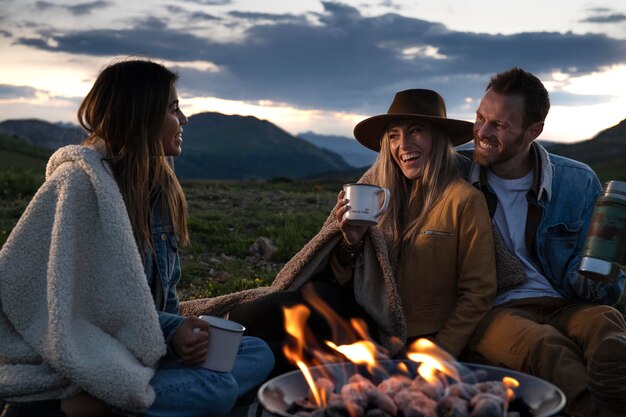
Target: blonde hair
{"x":420,"y":195}
{"x":126,"y":109}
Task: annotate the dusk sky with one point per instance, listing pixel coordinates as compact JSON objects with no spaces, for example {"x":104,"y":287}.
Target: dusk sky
{"x":320,"y":66}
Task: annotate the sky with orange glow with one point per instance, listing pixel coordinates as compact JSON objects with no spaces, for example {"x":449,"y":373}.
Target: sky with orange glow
{"x":320,"y":66}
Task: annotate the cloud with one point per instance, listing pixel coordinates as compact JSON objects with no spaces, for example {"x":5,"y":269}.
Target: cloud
{"x":202,"y":16}
{"x":603,"y":15}
{"x":44,"y":5}
{"x":339,"y":59}
{"x":263,"y":16}
{"x":607,"y":18}
{"x":599,"y":9}
{"x":86,"y":8}
{"x":390,"y":4}
{"x":80,"y":9}
{"x":210,"y":2}
{"x":16,"y":91}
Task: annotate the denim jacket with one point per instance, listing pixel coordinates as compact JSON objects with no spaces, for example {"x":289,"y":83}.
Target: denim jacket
{"x":163,"y":271}
{"x":561,"y":204}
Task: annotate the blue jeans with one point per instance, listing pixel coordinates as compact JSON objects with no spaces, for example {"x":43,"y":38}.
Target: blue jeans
{"x":192,"y":391}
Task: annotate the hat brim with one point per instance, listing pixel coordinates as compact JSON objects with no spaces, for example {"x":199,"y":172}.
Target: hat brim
{"x":369,"y":132}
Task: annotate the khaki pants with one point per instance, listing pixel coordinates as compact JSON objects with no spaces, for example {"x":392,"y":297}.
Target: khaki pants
{"x":552,"y":339}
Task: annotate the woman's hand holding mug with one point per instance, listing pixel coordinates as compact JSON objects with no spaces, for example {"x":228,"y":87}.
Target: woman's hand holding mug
{"x":352,"y":233}
{"x":191,"y":340}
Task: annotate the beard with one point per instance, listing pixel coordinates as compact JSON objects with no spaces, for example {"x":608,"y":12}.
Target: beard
{"x":503,"y":154}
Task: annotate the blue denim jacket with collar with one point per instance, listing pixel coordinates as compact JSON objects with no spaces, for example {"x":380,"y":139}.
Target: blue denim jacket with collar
{"x":163,"y":272}
{"x":566,"y":192}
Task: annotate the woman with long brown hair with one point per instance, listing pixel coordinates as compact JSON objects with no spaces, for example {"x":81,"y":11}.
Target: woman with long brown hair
{"x":437,"y":224}
{"x":93,"y":255}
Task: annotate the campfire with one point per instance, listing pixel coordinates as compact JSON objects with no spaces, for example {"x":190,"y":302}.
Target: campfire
{"x":358,"y":379}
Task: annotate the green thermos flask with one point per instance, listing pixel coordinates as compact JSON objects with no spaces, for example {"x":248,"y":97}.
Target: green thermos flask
{"x":605,"y":245}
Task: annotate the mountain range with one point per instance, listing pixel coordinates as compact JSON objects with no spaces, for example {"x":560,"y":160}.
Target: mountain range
{"x":215,"y":146}
{"x":218,"y":146}
{"x":352,"y":151}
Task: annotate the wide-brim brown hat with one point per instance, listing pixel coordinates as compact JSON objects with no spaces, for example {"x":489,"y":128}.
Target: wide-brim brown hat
{"x":413,"y":104}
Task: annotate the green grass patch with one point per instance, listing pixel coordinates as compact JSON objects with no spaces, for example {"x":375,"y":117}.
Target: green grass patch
{"x":227,"y":217}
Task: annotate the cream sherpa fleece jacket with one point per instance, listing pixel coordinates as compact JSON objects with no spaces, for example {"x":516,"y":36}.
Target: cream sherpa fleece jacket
{"x":76,"y":311}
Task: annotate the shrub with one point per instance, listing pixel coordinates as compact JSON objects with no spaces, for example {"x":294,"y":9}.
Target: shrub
{"x":19,"y":184}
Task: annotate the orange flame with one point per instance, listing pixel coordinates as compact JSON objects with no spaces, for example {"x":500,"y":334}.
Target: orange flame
{"x":311,"y":382}
{"x":510,"y":383}
{"x":340,"y":328}
{"x":363,"y":352}
{"x":403,"y":368}
{"x":432,"y":359}
{"x":295,"y":319}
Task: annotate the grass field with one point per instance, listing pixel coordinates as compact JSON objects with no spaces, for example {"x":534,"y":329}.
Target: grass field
{"x":227,"y":217}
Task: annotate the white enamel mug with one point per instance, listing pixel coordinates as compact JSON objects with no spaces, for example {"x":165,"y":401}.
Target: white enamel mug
{"x":224,"y":339}
{"x":364,"y":202}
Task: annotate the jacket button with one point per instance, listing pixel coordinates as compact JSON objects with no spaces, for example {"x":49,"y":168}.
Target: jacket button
{"x":163,"y":237}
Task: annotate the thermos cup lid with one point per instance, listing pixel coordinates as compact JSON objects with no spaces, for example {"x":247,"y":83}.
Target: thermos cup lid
{"x":616,"y":187}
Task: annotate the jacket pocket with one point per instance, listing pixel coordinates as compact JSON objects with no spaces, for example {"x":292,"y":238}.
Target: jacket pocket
{"x":437,"y":233}
{"x":564,"y":230}
{"x":560,"y":244}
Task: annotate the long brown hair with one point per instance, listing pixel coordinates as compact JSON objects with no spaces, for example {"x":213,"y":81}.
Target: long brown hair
{"x":126,"y":110}
{"x":419,"y":195}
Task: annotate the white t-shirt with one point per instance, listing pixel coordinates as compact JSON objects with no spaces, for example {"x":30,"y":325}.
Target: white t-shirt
{"x":510,"y":220}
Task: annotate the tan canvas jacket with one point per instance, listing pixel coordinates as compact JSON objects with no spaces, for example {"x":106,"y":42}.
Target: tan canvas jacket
{"x":447,"y":273}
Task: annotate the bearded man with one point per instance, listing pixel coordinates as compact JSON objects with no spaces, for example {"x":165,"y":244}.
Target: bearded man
{"x":556,"y":324}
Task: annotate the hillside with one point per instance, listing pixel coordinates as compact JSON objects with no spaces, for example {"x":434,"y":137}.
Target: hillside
{"x":16,"y":154}
{"x":238,"y":147}
{"x":42,"y":133}
{"x":21,"y":173}
{"x":605,"y":152}
{"x":608,"y":145}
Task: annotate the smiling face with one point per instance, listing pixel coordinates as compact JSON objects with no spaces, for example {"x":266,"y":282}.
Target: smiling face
{"x":410,"y":143}
{"x":172,"y":133}
{"x":500,"y":139}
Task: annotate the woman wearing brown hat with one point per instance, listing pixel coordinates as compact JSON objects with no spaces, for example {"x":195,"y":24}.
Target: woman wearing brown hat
{"x":438,"y":225}
{"x":426,"y":270}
